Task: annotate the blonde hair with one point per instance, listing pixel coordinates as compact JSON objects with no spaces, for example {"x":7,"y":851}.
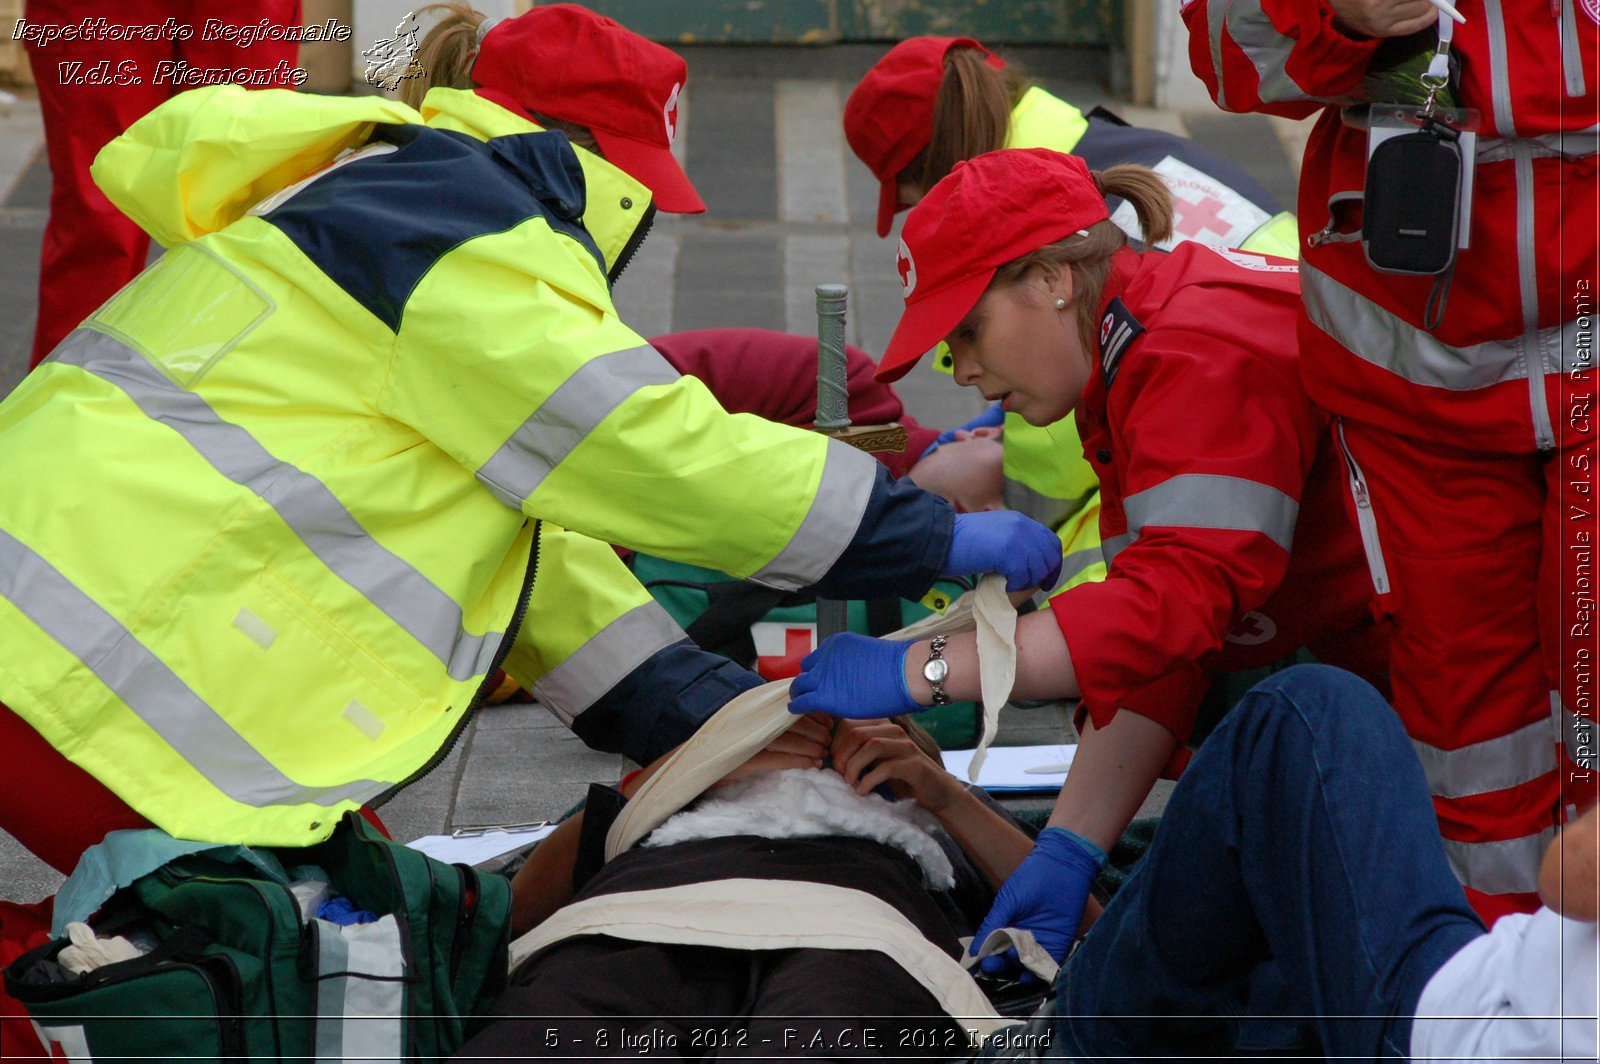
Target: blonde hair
{"x":446,"y":54}
{"x":971,"y":114}
{"x":1088,"y":256}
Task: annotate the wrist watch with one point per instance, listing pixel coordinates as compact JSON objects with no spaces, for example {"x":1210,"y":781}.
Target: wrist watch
{"x":936,"y":670}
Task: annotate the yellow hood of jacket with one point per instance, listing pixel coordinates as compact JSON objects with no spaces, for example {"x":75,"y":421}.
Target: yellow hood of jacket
{"x":200,"y":161}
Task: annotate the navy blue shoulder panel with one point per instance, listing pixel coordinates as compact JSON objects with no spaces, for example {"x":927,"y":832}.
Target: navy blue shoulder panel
{"x":1109,"y":141}
{"x":377,"y":225}
{"x":662,"y":702}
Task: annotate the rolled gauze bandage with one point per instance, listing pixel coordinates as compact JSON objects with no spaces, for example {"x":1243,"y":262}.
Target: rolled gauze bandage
{"x":989,"y":611}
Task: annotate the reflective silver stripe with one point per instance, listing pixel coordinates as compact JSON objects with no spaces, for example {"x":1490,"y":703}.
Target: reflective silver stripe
{"x":1499,"y":69}
{"x":1492,"y":765}
{"x":1077,"y":562}
{"x":1566,"y":145}
{"x":361,"y":991}
{"x":1073,"y":566}
{"x":608,"y":656}
{"x":566,"y":418}
{"x":1216,"y":21}
{"x":1371,"y":333}
{"x":1544,"y":435}
{"x":1267,"y":49}
{"x":1571,"y":57}
{"x":1507,"y":867}
{"x":829,"y":525}
{"x":1578,"y":734}
{"x":1045,"y":509}
{"x":1530,"y":361}
{"x":1115,"y":545}
{"x":1199,"y":500}
{"x":156,"y":694}
{"x":327,"y":528}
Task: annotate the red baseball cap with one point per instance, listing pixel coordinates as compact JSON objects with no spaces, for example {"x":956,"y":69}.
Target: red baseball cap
{"x":567,"y":62}
{"x":986,"y":213}
{"x":889,"y":116}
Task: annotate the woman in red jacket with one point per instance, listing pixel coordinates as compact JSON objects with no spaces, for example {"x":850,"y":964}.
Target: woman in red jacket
{"x":1467,"y":397}
{"x":1183,"y":370}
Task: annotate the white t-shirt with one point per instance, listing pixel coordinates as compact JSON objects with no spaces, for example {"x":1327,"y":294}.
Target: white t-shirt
{"x":1525,"y":991}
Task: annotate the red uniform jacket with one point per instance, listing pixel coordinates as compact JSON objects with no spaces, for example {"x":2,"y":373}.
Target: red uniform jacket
{"x":1213,"y":464}
{"x":1497,"y":372}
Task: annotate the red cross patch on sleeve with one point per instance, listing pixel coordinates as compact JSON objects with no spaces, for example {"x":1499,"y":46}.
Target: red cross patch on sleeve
{"x":1118,"y":328}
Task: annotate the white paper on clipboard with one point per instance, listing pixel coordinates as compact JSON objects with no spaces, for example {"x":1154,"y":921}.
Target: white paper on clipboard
{"x":477,"y":848}
{"x":1007,"y":767}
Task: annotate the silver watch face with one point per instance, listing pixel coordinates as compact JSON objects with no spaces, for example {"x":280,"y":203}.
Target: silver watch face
{"x":935,"y":671}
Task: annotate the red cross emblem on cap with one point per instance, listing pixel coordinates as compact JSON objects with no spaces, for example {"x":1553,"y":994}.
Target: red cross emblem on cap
{"x":907,"y":270}
{"x":669,"y":113}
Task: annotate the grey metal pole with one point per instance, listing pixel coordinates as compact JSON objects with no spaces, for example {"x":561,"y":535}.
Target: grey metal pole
{"x":833,"y":395}
{"x":833,"y":413}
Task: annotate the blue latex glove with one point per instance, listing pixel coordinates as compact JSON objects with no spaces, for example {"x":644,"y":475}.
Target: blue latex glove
{"x":1004,"y":541}
{"x":1045,"y":895}
{"x":991,"y":418}
{"x":340,"y":910}
{"x":853,"y":676}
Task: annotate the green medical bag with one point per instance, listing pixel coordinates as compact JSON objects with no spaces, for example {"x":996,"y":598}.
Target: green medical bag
{"x":237,"y":973}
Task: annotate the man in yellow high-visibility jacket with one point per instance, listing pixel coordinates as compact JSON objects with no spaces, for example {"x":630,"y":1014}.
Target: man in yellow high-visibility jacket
{"x":273,"y":514}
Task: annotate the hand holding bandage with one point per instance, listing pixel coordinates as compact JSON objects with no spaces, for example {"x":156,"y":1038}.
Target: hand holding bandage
{"x":854,"y":676}
{"x":1003,"y":541}
{"x":1045,"y":895}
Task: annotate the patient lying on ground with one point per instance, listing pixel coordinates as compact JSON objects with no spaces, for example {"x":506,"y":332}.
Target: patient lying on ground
{"x":811,"y":808}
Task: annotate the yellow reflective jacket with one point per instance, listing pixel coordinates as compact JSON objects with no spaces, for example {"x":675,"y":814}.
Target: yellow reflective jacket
{"x":266,"y":517}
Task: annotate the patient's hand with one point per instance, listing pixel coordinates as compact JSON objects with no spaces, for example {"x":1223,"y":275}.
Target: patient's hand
{"x":804,"y":745}
{"x":869,"y":753}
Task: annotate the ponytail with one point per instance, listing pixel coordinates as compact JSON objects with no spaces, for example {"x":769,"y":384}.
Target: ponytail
{"x":445,"y":58}
{"x":1087,"y":255}
{"x":1143,"y":188}
{"x":971,"y":115}
{"x":446,"y":53}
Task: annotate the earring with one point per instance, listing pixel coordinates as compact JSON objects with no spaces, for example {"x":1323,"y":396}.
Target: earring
{"x":1061,"y":304}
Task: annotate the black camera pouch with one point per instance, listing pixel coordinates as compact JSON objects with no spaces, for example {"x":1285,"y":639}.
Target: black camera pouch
{"x":1411,"y":205}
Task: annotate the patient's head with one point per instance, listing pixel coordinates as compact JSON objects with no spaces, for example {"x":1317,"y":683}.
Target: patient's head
{"x":967,"y":472}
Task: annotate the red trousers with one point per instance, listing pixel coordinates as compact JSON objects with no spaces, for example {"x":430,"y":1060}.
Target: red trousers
{"x":90,"y":248}
{"x":1495,"y":649}
{"x":57,"y":810}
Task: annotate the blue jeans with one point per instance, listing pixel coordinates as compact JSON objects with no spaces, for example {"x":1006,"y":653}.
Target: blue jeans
{"x":1302,"y":835}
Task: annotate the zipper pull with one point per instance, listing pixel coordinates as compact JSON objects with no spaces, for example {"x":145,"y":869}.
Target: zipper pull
{"x":1362,"y":501}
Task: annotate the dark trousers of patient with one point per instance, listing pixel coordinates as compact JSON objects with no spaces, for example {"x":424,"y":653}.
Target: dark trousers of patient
{"x":601,"y":998}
